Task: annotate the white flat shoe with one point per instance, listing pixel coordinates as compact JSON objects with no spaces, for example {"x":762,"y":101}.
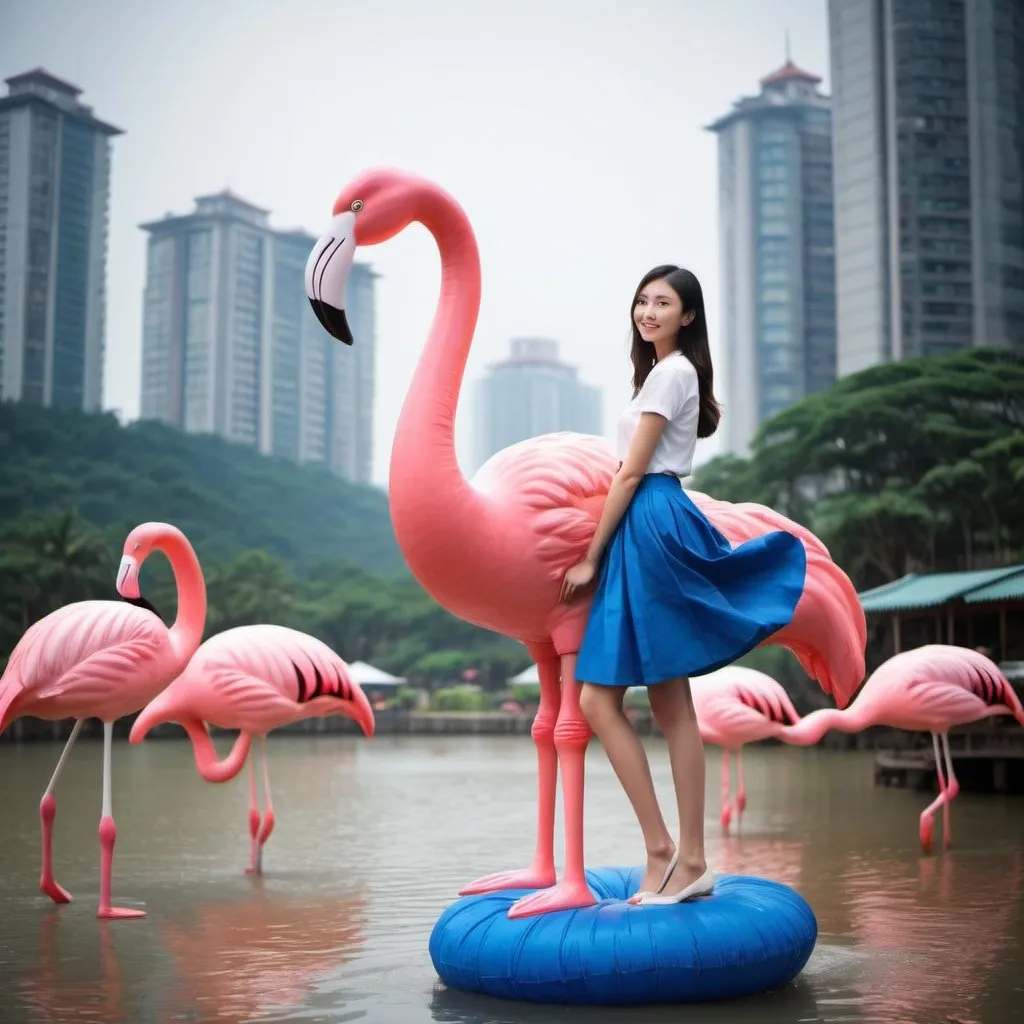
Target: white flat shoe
{"x":701,"y":887}
{"x":664,"y":880}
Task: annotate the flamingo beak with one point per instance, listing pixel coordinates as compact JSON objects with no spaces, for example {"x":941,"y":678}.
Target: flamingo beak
{"x":128,"y":578}
{"x":327,"y":271}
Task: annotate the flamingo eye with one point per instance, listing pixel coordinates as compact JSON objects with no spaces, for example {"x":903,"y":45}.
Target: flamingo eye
{"x":357,"y":205}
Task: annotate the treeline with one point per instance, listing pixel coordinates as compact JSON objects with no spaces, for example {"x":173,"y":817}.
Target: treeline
{"x":227,"y":498}
{"x":49,"y":561}
{"x":915,"y":466}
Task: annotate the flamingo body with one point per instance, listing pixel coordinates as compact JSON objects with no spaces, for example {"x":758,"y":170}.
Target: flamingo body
{"x":493,"y":550}
{"x":103,"y":659}
{"x":90,"y":659}
{"x":928,"y":689}
{"x":255,"y":679}
{"x":734,"y":706}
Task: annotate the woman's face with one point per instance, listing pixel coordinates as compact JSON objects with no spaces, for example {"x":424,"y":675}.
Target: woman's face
{"x":658,"y":313}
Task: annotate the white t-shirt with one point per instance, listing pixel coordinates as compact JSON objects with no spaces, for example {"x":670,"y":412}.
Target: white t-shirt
{"x":672,"y":390}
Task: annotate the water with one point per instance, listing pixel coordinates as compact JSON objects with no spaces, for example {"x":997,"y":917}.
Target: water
{"x":374,"y":838}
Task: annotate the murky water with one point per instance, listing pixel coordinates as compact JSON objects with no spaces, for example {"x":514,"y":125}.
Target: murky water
{"x":374,"y":838}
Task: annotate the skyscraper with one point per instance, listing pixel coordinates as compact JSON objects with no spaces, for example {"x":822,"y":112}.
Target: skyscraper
{"x":530,"y":393}
{"x":776,"y":243}
{"x":231,"y":347}
{"x":54,"y":195}
{"x":928,"y":103}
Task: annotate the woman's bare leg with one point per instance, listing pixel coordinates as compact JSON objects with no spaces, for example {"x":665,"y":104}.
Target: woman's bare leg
{"x":673,"y":710}
{"x":602,"y":708}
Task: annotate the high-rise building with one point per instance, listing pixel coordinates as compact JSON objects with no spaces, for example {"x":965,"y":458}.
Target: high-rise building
{"x":54,"y":196}
{"x":530,"y":393}
{"x":928,"y":101}
{"x":778,"y":327}
{"x":230,"y":345}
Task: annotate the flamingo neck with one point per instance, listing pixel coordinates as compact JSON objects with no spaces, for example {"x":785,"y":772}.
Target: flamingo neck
{"x":205,"y":753}
{"x":812,"y":727}
{"x":434,"y":510}
{"x":187,"y":631}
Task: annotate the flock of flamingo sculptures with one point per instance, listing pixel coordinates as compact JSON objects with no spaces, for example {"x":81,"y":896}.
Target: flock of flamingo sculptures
{"x":491,"y":550}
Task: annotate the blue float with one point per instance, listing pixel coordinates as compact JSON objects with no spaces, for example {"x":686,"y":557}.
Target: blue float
{"x":750,"y":935}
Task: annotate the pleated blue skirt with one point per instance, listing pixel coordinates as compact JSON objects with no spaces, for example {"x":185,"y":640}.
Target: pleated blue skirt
{"x":675,"y":598}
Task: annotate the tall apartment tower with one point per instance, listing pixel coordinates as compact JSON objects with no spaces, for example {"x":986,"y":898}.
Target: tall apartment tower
{"x":530,"y":393}
{"x":54,"y":197}
{"x":928,"y":102}
{"x":231,"y":347}
{"x":778,"y":319}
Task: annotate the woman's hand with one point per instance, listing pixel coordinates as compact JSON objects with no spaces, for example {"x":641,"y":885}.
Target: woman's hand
{"x":577,"y":579}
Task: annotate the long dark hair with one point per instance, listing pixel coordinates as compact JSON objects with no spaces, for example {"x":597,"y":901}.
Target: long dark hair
{"x":692,"y":341}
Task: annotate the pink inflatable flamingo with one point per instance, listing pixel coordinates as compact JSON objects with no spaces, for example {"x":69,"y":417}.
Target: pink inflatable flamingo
{"x":254,"y":678}
{"x":493,"y":551}
{"x":104,"y":659}
{"x":928,"y":689}
{"x":738,"y":705}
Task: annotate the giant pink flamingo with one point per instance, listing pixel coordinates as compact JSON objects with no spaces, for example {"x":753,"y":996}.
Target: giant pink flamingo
{"x":104,"y":659}
{"x":927,"y":689}
{"x":738,"y":705}
{"x":493,"y":551}
{"x":254,"y":678}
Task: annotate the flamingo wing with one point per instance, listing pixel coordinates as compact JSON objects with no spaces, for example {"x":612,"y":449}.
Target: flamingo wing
{"x":562,"y":481}
{"x":82,"y":647}
{"x":268,"y":673}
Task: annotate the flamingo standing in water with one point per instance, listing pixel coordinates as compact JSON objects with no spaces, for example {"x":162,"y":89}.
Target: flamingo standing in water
{"x":738,"y":705}
{"x":493,"y":551}
{"x":104,"y":659}
{"x":254,"y":678}
{"x":927,"y":689}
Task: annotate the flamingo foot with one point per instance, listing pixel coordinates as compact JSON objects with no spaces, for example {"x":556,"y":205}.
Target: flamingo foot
{"x":56,"y":892}
{"x":108,"y":834}
{"x":726,"y":817}
{"x":533,"y":877}
{"x":569,"y":894}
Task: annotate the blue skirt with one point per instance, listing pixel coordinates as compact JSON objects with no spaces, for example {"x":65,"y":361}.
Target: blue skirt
{"x":675,"y":598}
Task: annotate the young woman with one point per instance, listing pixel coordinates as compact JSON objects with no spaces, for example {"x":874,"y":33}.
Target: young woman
{"x":673,"y":598}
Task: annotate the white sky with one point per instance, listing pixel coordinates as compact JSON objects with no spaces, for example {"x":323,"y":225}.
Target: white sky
{"x":572,"y":131}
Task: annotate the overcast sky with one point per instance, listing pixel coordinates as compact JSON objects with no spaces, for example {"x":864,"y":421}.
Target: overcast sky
{"x":572,"y":131}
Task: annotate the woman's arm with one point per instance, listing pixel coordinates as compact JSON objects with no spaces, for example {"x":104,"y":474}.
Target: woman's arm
{"x":624,"y":485}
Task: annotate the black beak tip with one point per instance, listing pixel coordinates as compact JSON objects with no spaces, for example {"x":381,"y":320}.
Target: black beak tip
{"x":333,"y":321}
{"x":141,"y":602}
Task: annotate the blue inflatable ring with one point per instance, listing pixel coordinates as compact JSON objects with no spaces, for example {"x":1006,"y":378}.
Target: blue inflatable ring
{"x":750,"y":935}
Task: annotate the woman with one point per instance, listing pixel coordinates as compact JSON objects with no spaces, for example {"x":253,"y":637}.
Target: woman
{"x":673,"y":598}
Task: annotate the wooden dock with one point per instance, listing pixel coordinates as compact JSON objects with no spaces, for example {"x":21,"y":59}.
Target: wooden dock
{"x":985,"y":759}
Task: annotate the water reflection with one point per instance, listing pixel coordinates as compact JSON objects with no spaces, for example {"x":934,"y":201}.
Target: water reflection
{"x":236,"y":959}
{"x":379,"y":839}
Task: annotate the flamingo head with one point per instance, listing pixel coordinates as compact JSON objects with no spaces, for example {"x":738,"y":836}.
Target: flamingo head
{"x":373,"y":207}
{"x":137,"y":547}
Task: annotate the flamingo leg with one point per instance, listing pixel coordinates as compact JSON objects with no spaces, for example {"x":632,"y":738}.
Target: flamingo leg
{"x":726,"y":802}
{"x":254,"y":819}
{"x":741,"y":790}
{"x":572,"y":734}
{"x":929,"y":812}
{"x":268,"y":808}
{"x":952,"y":788}
{"x":47,"y":812}
{"x":541,"y":872}
{"x":108,"y":835}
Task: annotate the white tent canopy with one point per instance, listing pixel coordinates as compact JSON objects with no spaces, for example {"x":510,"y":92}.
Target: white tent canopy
{"x":528,"y":675}
{"x":368,"y":675}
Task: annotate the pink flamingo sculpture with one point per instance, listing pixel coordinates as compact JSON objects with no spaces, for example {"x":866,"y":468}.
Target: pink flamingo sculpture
{"x":493,"y":551}
{"x":928,"y":689}
{"x":738,"y":705}
{"x":104,"y":659}
{"x":254,"y":678}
